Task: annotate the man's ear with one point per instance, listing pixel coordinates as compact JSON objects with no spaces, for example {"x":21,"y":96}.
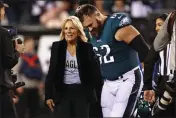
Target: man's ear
{"x":98,"y":13}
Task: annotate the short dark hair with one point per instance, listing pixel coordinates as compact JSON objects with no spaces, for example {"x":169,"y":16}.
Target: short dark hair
{"x":163,"y":16}
{"x":86,"y":9}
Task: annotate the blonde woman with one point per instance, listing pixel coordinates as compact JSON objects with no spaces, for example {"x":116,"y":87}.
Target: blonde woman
{"x":73,"y":74}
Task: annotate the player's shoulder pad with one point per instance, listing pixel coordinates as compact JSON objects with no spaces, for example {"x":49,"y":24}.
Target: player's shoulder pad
{"x":120,"y":19}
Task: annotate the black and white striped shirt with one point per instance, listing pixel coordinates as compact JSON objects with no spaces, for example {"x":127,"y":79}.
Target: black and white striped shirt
{"x":166,"y":54}
{"x":167,"y":57}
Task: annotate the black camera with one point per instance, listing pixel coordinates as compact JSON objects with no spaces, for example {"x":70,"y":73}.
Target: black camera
{"x":12,"y":30}
{"x":13,"y":33}
{"x":14,"y":79}
{"x":166,"y":99}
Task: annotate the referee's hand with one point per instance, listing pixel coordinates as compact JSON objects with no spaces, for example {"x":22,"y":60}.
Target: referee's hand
{"x":149,"y":95}
{"x":50,"y":104}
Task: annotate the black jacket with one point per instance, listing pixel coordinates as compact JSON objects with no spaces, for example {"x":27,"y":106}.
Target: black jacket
{"x":88,"y":67}
{"x":8,"y":55}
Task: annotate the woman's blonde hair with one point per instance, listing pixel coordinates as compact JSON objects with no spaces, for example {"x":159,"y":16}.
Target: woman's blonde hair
{"x":77,"y":24}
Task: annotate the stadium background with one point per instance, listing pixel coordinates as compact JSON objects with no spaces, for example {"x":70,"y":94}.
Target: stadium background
{"x":42,"y":19}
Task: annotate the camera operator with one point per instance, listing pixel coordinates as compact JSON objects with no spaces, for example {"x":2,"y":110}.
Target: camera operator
{"x":8,"y":59}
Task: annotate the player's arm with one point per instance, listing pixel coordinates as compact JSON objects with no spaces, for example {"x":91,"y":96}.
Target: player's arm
{"x":127,"y":33}
{"x":150,"y":60}
{"x":133,"y":38}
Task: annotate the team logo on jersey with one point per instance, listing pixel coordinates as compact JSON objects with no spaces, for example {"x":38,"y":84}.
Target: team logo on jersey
{"x":124,"y":21}
{"x":119,"y":17}
{"x":99,"y":40}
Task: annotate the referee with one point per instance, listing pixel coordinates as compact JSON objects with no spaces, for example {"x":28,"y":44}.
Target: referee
{"x":8,"y":59}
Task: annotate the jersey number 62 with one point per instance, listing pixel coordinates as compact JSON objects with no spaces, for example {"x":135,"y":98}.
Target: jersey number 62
{"x":106,"y":58}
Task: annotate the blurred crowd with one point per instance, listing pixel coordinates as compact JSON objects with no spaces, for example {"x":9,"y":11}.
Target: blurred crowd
{"x":51,"y":13}
{"x":29,"y":101}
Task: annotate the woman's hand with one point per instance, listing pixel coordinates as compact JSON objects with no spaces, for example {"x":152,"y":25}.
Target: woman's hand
{"x":50,"y":104}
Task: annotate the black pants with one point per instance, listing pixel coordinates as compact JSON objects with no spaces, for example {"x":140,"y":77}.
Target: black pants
{"x":29,"y":102}
{"x":7,"y":109}
{"x":73,"y":103}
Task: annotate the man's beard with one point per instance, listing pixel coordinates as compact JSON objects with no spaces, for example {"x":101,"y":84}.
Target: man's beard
{"x":96,"y":31}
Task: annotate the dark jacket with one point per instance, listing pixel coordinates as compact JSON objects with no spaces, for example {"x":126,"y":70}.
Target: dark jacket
{"x":88,"y":67}
{"x":8,"y":55}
